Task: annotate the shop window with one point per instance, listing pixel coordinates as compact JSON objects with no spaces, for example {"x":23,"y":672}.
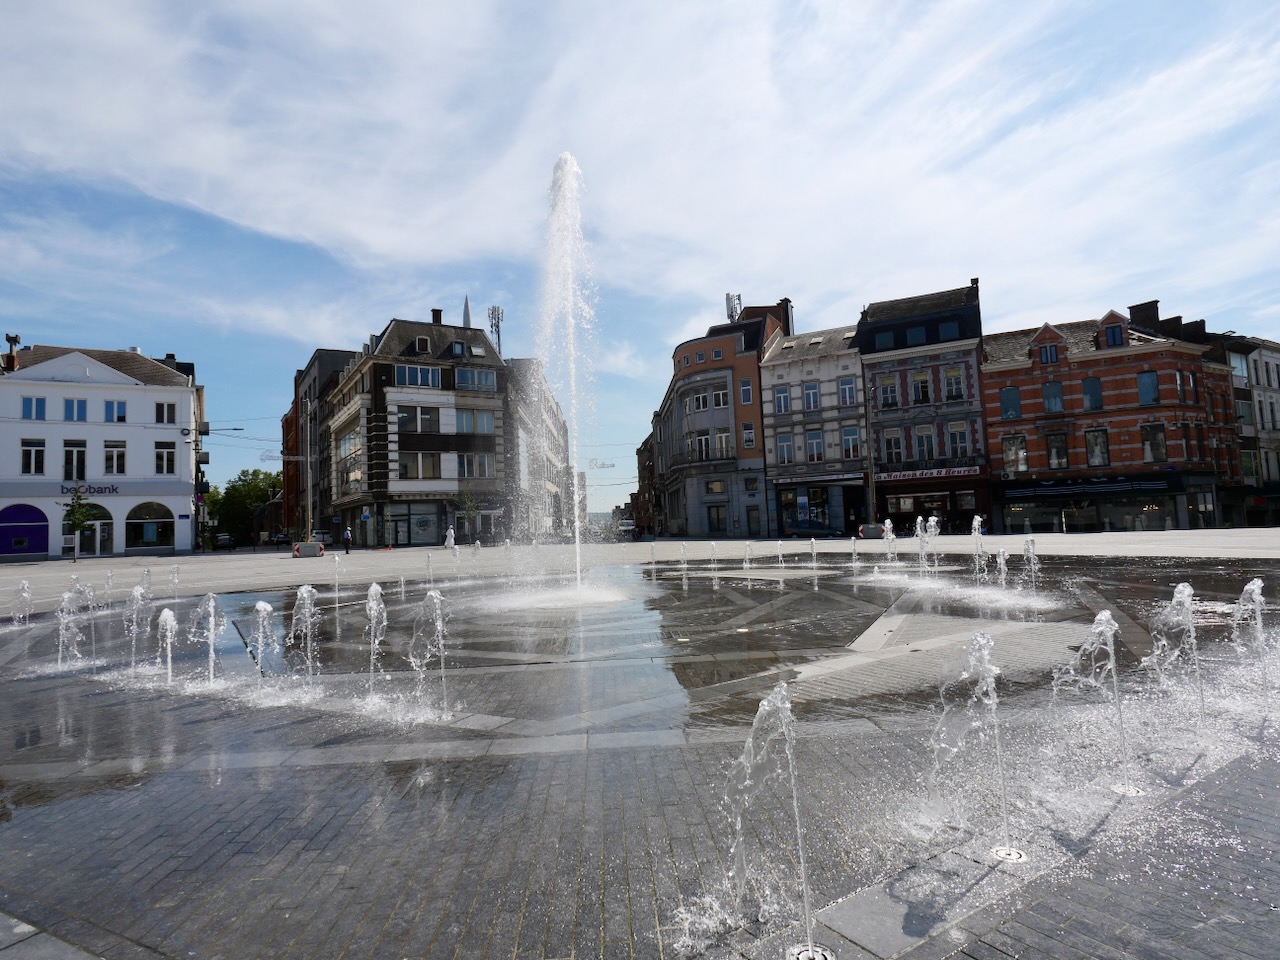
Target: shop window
{"x":1015,"y":454}
{"x":1096,"y":448}
{"x":149,"y":525}
{"x":1057,"y":443}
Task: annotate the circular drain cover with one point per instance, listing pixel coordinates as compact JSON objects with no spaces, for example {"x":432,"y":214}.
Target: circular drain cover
{"x":1127,"y":791}
{"x":802,"y":951}
{"x":1009,"y":854}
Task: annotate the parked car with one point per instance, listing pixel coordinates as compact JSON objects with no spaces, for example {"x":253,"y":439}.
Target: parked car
{"x":626,"y":529}
{"x":322,"y":536}
{"x":224,"y":541}
{"x":276,"y":539}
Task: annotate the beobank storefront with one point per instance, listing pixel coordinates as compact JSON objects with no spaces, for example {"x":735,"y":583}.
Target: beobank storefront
{"x":952,"y":494}
{"x":124,"y":517}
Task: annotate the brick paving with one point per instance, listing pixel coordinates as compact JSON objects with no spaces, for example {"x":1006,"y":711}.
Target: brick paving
{"x":572,"y":805}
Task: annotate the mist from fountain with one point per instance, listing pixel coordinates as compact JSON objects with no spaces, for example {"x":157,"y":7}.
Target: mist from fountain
{"x":137,"y":620}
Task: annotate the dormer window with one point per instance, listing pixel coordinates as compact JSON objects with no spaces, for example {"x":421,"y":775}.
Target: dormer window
{"x":1049,"y":353}
{"x":1115,"y":335}
{"x":458,"y":348}
{"x":422,"y":345}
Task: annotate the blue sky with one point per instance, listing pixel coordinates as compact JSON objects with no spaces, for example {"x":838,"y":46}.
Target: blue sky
{"x":242,"y":182}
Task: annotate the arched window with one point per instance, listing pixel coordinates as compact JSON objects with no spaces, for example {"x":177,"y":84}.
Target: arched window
{"x":148,"y":526}
{"x":23,"y":529}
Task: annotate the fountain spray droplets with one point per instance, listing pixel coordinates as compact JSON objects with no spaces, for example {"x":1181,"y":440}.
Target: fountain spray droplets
{"x":890,"y":542}
{"x":137,"y":620}
{"x":69,"y":628}
{"x":428,"y":642}
{"x":206,"y":626}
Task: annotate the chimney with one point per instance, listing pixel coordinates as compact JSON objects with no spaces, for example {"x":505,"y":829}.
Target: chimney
{"x":437,"y":315}
{"x":1145,"y":316}
{"x":11,"y":363}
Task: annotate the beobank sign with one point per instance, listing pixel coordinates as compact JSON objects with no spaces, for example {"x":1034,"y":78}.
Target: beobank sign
{"x":89,"y":490}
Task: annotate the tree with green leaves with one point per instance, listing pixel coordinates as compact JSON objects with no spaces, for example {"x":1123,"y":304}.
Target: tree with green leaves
{"x":76,"y":518}
{"x":232,"y":507}
{"x":468,"y":506}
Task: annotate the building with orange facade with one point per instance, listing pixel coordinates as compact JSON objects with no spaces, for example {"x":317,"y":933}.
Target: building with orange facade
{"x":707,"y":441}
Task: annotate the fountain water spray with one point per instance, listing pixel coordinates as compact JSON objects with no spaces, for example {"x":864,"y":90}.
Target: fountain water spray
{"x":1093,"y":666}
{"x":337,"y":581}
{"x":85,"y":601}
{"x":376,"y":610}
{"x":305,"y":623}
{"x":428,"y":642}
{"x":206,"y":626}
{"x":137,"y":620}
{"x":402,"y":589}
{"x":1002,"y":568}
{"x":780,"y":563}
{"x":853,"y":551}
{"x":22,"y":604}
{"x":108,"y":590}
{"x":167,"y":629}
{"x":962,"y":696}
{"x":813,"y":553}
{"x":1247,"y":633}
{"x":1030,"y":565}
{"x":772,"y":740}
{"x":263,"y":638}
{"x":1173,"y":630}
{"x":890,"y":542}
{"x":69,"y":631}
{"x":979,"y":554}
{"x":175,"y":576}
{"x":566,"y":318}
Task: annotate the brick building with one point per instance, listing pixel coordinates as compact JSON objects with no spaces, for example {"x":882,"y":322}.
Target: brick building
{"x":1100,"y":425}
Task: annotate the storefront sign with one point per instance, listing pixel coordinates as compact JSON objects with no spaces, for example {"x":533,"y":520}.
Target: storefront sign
{"x":940,"y":474}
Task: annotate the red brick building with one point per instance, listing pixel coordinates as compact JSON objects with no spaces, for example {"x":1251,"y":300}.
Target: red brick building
{"x":1093,"y":425}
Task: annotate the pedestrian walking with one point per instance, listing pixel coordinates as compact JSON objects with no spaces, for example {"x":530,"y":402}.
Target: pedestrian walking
{"x":448,"y":538}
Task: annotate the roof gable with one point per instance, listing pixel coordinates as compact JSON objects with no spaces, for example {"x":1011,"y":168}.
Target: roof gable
{"x":69,"y":367}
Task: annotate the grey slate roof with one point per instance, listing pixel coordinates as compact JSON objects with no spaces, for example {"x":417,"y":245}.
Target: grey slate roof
{"x":134,"y":365}
{"x":925,"y":303}
{"x":1080,"y":337}
{"x":400,"y":337}
{"x":816,"y":343}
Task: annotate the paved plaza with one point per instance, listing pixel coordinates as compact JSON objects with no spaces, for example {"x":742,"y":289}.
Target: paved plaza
{"x":559,"y":786}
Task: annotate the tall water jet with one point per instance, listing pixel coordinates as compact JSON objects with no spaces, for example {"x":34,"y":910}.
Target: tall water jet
{"x":979,"y":554}
{"x":337,"y":581}
{"x":1247,"y":633}
{"x":853,"y":551}
{"x":305,"y":623}
{"x":1002,"y":568}
{"x":771,"y":741}
{"x":69,"y":635}
{"x":85,"y":602}
{"x":922,"y":546}
{"x":1173,"y":630}
{"x":428,"y":642}
{"x":175,"y":577}
{"x":167,"y":628}
{"x":813,"y":553}
{"x":567,"y":318}
{"x":780,"y":564}
{"x":206,"y":626}
{"x":1030,"y":565}
{"x":1094,"y":668}
{"x":969,"y":704}
{"x":137,"y":620}
{"x":263,"y":637}
{"x":890,"y":542}
{"x":22,"y":604}
{"x":376,"y":610}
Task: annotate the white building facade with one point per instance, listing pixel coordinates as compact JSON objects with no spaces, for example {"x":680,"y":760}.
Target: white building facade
{"x":120,"y":428}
